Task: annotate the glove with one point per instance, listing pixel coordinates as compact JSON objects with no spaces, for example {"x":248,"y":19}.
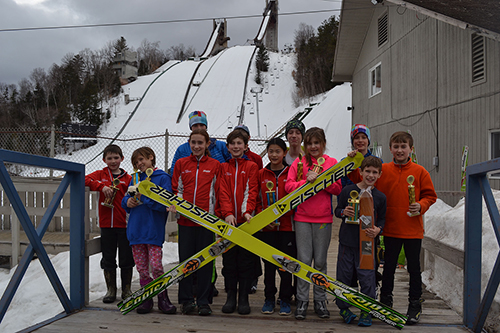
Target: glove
{"x":132,"y":190}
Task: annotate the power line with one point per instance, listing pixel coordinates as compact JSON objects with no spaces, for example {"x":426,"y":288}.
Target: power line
{"x":160,"y":22}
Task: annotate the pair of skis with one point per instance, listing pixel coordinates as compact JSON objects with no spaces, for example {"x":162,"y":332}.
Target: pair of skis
{"x":258,"y":222}
{"x":242,"y":236}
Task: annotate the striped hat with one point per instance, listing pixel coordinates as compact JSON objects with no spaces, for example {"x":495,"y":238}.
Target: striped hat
{"x":197,"y":117}
{"x":360,"y":128}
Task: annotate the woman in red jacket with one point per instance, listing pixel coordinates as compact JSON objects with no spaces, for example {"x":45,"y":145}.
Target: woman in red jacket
{"x":279,"y":234}
{"x":194,"y":179}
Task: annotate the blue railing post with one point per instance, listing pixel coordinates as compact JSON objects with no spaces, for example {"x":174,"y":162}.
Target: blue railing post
{"x":75,"y":176}
{"x":476,"y":309}
{"x":472,"y":249}
{"x":77,"y":239}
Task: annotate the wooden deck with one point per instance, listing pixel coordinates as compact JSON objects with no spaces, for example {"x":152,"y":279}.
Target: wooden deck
{"x":436,"y":317}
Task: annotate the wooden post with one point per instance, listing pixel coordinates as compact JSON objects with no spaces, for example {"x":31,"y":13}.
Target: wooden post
{"x":166,"y":152}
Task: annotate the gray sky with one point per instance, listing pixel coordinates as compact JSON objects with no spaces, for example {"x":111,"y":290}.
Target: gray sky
{"x":23,"y":51}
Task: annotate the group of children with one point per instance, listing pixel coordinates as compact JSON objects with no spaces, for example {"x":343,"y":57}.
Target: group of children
{"x":236,"y":190}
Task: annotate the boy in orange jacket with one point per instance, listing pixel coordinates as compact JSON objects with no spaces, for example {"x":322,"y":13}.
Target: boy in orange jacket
{"x":403,"y":225}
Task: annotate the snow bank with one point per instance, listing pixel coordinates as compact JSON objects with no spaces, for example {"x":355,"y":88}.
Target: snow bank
{"x":36,"y":300}
{"x":446,"y":224}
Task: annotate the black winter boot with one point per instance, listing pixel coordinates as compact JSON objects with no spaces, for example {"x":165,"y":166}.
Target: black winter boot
{"x":414,"y":311}
{"x":386,"y":299}
{"x":110,"y":277}
{"x":243,"y":291}
{"x":126,"y":275}
{"x":230,"y":305}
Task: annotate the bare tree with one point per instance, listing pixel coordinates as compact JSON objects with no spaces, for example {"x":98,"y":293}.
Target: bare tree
{"x":179,"y":52}
{"x":150,"y":56}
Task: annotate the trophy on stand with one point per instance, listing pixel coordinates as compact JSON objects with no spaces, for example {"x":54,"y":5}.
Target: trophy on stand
{"x":354,"y":203}
{"x":318,"y":167}
{"x":300,"y":168}
{"x":411,"y":193}
{"x":271,"y":198}
{"x":132,"y":190}
{"x":108,"y":202}
{"x":149,"y":172}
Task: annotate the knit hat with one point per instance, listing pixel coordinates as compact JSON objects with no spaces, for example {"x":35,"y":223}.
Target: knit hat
{"x":243,"y":127}
{"x":197,"y":117}
{"x":295,"y":123}
{"x":360,"y":128}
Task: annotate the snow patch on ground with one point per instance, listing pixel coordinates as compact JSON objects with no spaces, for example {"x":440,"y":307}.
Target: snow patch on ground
{"x":446,"y":224}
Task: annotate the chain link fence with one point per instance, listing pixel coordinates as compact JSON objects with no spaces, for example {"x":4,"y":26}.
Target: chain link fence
{"x":85,"y":146}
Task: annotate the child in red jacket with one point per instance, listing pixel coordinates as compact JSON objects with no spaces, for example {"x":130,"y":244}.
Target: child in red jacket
{"x":237,"y":197}
{"x":280,"y":234}
{"x":313,"y":219}
{"x":194,"y":179}
{"x":112,"y":221}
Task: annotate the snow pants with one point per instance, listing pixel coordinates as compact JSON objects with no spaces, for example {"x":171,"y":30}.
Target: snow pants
{"x":191,"y":241}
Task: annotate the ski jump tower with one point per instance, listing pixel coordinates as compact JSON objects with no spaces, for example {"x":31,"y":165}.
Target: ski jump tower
{"x":272,"y":26}
{"x":269,"y":27}
{"x":218,"y":39}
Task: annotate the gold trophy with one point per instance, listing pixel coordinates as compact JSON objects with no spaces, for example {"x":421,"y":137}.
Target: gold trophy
{"x":354,"y":203}
{"x":318,"y":167}
{"x":300,"y":168}
{"x":149,"y":172}
{"x":271,"y":198}
{"x":108,"y":202}
{"x":411,"y":193}
{"x":132,"y":190}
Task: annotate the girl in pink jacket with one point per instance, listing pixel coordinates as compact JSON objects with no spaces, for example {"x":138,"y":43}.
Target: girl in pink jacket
{"x":313,"y":219}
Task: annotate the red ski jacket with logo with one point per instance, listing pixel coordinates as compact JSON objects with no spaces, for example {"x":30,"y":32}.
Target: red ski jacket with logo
{"x":238,"y":188}
{"x":195,"y":180}
{"x":109,"y":217}
{"x":266,"y":175}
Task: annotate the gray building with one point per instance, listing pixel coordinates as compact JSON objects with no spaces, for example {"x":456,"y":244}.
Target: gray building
{"x":429,"y":67}
{"x":125,"y":65}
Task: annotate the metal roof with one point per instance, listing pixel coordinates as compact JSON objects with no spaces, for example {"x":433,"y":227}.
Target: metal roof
{"x":481,"y":16}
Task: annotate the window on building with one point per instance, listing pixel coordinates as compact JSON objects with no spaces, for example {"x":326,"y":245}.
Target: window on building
{"x":383,"y":30}
{"x":375,"y":80}
{"x":495,"y":149}
{"x":478,"y":59}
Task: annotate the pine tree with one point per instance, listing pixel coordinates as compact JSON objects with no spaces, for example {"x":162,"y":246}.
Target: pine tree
{"x":262,"y":59}
{"x":315,"y":53}
{"x":120,"y":45}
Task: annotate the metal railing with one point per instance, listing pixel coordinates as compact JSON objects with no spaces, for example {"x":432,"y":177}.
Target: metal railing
{"x":75,"y":179}
{"x":476,"y":308}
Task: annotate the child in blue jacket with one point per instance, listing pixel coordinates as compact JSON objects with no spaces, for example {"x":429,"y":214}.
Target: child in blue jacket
{"x":146,"y":228}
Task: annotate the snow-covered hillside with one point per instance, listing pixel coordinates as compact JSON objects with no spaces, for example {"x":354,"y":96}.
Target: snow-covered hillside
{"x":221,"y":87}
